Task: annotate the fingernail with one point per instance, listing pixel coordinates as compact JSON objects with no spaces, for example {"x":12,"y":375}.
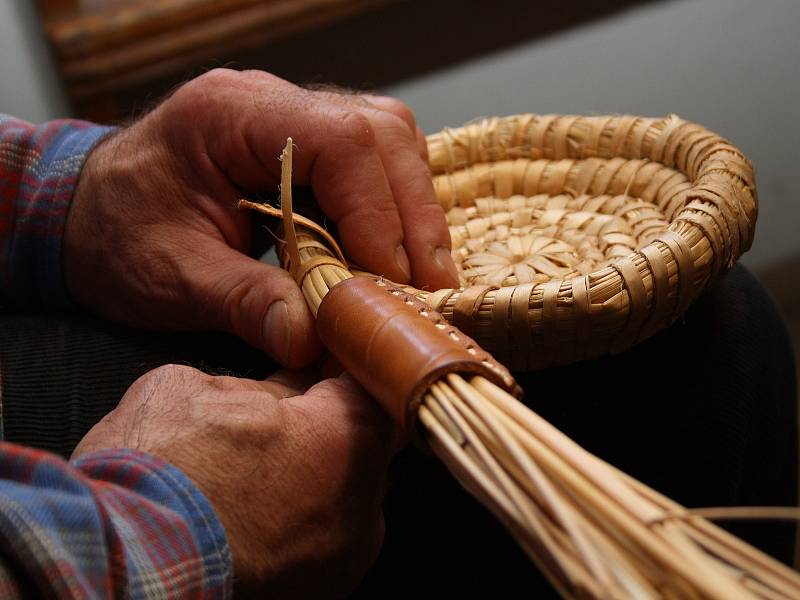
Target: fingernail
{"x":444,"y":261}
{"x":401,"y":258}
{"x":277,"y":332}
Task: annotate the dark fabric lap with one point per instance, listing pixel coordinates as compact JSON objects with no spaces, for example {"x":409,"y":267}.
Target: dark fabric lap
{"x":705,"y":412}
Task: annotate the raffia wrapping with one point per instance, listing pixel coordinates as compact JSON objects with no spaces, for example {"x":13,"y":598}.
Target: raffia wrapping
{"x":581,"y":236}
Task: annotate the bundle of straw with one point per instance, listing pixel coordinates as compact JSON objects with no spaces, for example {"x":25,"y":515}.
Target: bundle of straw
{"x":592,"y":530}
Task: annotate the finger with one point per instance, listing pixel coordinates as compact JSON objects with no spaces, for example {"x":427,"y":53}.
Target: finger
{"x":259,"y":303}
{"x":426,"y":236}
{"x":400,"y":109}
{"x":351,"y":186}
{"x":243,"y":124}
{"x":394,"y":106}
{"x":359,"y":166}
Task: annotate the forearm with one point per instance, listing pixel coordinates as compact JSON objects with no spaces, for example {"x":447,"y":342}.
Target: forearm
{"x":113,"y":523}
{"x":39,"y":169}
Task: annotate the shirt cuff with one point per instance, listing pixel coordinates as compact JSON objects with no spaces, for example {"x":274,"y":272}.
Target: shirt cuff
{"x":51,"y":156}
{"x":149,"y":477}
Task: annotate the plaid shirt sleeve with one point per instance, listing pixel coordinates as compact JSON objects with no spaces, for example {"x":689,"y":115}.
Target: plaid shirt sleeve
{"x":117,"y":523}
{"x":39,"y":168}
{"x":111,"y":524}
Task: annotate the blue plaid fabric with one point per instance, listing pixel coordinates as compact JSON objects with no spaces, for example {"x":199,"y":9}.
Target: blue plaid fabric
{"x":39,"y":169}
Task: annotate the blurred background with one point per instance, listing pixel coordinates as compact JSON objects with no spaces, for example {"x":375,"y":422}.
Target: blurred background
{"x":731,"y":65}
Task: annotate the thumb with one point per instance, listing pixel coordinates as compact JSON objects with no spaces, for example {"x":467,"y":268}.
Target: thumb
{"x":257,"y":302}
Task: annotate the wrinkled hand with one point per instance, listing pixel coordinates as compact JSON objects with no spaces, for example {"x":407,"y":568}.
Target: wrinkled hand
{"x":154,"y":237}
{"x":296,"y":476}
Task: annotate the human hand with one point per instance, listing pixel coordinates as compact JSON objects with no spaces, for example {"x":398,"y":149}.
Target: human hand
{"x":295,"y":475}
{"x":154,"y":238}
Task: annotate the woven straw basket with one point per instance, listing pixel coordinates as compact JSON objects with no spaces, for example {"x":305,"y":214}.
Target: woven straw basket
{"x":581,"y":236}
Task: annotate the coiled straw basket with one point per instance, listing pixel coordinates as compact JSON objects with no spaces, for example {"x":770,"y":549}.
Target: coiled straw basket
{"x":576,"y":236}
{"x":581,"y":236}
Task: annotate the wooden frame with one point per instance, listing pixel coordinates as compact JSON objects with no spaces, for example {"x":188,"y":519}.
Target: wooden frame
{"x":105,"y":47}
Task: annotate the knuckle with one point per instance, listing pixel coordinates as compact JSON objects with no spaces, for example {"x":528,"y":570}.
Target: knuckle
{"x":234,"y":301}
{"x":245,"y":301}
{"x":400,"y":109}
{"x":432,"y":216}
{"x":206,"y":84}
{"x":383,"y":212}
{"x":216,"y":77}
{"x":260,"y":77}
{"x":256,"y":74}
{"x":395,"y":131}
{"x":376,"y":225}
{"x":161,"y":380}
{"x":173,"y":372}
{"x":395,"y":124}
{"x":356,"y":128}
{"x":194,"y":100}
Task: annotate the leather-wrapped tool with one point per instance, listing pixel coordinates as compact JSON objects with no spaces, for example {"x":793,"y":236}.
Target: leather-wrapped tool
{"x":397,"y":346}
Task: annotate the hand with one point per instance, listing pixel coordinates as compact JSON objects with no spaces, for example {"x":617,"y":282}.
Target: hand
{"x":154,"y":238}
{"x":296,"y":476}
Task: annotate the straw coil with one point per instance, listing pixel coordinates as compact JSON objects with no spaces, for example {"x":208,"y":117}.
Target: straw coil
{"x":581,"y":236}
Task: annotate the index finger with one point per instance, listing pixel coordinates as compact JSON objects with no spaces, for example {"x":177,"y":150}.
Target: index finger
{"x":251,"y":116}
{"x":338,"y":153}
{"x":426,"y":238}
